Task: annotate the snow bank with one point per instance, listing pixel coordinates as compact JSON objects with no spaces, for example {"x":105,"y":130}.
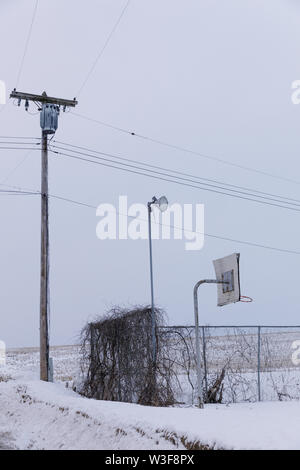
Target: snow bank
{"x":40,"y":415}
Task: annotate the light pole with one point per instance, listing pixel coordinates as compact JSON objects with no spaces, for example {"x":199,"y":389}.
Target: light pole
{"x":162,"y":204}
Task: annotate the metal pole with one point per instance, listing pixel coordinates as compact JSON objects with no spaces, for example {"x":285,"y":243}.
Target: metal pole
{"x":44,"y":339}
{"x":258,"y":363}
{"x":153,"y":319}
{"x":204,"y":361}
{"x":198,"y":356}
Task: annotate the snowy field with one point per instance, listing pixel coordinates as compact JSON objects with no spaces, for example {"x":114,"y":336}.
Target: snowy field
{"x":65,"y":359}
{"x":37,"y":415}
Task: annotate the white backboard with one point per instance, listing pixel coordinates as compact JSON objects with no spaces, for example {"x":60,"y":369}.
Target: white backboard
{"x":227,"y":270}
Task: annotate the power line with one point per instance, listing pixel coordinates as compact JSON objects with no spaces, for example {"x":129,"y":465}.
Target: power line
{"x":227,"y":185}
{"x":219,"y":237}
{"x":18,"y":143}
{"x":251,"y":192}
{"x":103,"y":48}
{"x":18,"y":148}
{"x":7,"y":192}
{"x":27,"y":43}
{"x":162,"y":178}
{"x":180,"y":178}
{"x":16,"y":194}
{"x":21,"y":189}
{"x":16,"y":167}
{"x":18,"y":137}
{"x":189,"y":151}
{"x":172,"y":181}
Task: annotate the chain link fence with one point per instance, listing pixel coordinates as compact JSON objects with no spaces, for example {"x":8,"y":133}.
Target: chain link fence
{"x":245,"y":363}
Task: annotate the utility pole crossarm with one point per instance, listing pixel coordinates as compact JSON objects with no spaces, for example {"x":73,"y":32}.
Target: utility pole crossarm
{"x":19,"y":95}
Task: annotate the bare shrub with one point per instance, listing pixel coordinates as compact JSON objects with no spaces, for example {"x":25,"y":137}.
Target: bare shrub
{"x":181,"y":347}
{"x":215,"y":391}
{"x":116,"y":359}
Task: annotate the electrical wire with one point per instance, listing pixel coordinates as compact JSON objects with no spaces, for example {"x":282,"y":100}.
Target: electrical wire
{"x":161,"y":176}
{"x":18,"y":137}
{"x":189,"y":151}
{"x":227,"y":185}
{"x":4,"y":192}
{"x":219,"y":237}
{"x":16,"y":167}
{"x":18,"y":148}
{"x":103,"y":48}
{"x":19,"y":143}
{"x":27,"y":43}
{"x":26,"y":191}
{"x":20,"y":189}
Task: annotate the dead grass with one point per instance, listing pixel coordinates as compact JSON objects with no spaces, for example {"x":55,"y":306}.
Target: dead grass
{"x":176,"y":440}
{"x":5,"y":377}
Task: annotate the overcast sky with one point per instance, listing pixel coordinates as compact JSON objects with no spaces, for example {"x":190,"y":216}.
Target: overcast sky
{"x":211,"y":76}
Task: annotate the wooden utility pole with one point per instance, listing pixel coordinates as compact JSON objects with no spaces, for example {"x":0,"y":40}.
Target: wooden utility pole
{"x":49,"y":108}
{"x":44,"y":288}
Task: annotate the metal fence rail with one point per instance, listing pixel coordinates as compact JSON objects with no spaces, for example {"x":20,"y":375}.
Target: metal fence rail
{"x":240,"y":363}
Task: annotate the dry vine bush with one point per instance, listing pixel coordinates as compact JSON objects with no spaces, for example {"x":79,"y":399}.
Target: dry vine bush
{"x":181,"y":347}
{"x":233,"y":352}
{"x":116,"y":359}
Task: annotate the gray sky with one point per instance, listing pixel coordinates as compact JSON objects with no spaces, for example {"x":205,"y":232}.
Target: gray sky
{"x":211,"y":76}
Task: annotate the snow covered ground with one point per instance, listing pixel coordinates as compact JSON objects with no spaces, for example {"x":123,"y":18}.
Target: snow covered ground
{"x":38,"y":415}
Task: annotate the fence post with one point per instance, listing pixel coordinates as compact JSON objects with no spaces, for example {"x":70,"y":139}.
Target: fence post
{"x":204,"y":361}
{"x":258,"y":364}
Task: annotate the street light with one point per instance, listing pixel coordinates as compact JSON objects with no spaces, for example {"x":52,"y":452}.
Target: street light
{"x":162,"y":204}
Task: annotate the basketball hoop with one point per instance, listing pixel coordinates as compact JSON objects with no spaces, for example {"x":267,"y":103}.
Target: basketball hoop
{"x":227,"y":278}
{"x":246,"y":299}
